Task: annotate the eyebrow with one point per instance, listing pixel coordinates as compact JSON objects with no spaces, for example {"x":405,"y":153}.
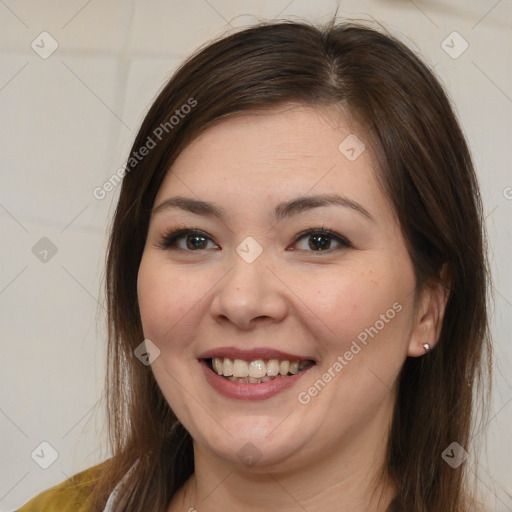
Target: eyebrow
{"x":282,"y":210}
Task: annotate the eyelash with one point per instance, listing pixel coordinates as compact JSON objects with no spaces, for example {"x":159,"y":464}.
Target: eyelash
{"x":170,"y":237}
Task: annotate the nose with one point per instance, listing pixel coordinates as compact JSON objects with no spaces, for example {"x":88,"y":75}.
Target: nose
{"x":250,"y":294}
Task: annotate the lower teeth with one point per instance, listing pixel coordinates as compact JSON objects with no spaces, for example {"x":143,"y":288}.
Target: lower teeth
{"x":252,"y":380}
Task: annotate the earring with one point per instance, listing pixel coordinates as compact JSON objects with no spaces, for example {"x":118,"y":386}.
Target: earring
{"x":426,"y":346}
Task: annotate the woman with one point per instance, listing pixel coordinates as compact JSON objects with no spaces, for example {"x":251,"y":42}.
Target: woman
{"x":296,"y":286}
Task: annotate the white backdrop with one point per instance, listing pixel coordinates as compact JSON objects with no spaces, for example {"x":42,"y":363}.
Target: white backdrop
{"x":75,"y":81}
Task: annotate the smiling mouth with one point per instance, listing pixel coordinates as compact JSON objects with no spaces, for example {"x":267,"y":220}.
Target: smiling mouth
{"x":256,"y":371}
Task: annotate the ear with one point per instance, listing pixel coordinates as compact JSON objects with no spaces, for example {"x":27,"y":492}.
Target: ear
{"x":429,"y":316}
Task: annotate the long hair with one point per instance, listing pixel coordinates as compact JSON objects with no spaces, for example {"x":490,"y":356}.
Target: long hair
{"x":427,"y":173}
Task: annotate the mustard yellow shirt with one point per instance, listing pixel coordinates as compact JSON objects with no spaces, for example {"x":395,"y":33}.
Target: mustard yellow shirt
{"x":72,"y":495}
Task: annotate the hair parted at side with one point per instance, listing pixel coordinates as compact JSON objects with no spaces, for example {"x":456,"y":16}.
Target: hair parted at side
{"x":427,"y":173}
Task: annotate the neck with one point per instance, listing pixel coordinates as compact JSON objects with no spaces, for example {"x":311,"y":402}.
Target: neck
{"x":317,"y":489}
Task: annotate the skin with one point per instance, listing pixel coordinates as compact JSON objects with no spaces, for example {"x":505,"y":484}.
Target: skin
{"x":327,"y":454}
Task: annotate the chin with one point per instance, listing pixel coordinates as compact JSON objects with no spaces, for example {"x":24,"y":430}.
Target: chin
{"x":254,"y":442}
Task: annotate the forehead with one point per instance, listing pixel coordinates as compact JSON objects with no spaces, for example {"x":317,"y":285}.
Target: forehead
{"x":297,"y":133}
{"x":277,"y":154}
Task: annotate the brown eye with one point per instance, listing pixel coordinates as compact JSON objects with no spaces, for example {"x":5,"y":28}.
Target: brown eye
{"x":194,"y":240}
{"x":322,"y":240}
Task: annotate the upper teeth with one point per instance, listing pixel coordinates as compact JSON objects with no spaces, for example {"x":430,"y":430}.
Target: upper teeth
{"x":257,"y":368}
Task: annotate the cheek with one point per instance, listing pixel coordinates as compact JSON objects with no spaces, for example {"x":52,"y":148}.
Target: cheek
{"x":365,"y":346}
{"x":365,"y":312}
{"x":167,"y":300}
{"x":352,"y":300}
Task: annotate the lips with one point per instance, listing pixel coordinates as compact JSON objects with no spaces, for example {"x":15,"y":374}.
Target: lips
{"x":252,"y":374}
{"x":251,"y":354}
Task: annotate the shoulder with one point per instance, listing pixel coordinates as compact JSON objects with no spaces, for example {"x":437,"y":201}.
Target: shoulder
{"x":72,"y":495}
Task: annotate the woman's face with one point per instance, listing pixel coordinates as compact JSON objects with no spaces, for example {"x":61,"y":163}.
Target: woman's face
{"x":309,"y":329}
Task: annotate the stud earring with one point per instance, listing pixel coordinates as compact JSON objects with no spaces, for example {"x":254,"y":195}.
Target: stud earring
{"x":426,"y":346}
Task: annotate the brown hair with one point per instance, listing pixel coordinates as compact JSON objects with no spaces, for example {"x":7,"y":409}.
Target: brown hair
{"x":427,"y":172}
